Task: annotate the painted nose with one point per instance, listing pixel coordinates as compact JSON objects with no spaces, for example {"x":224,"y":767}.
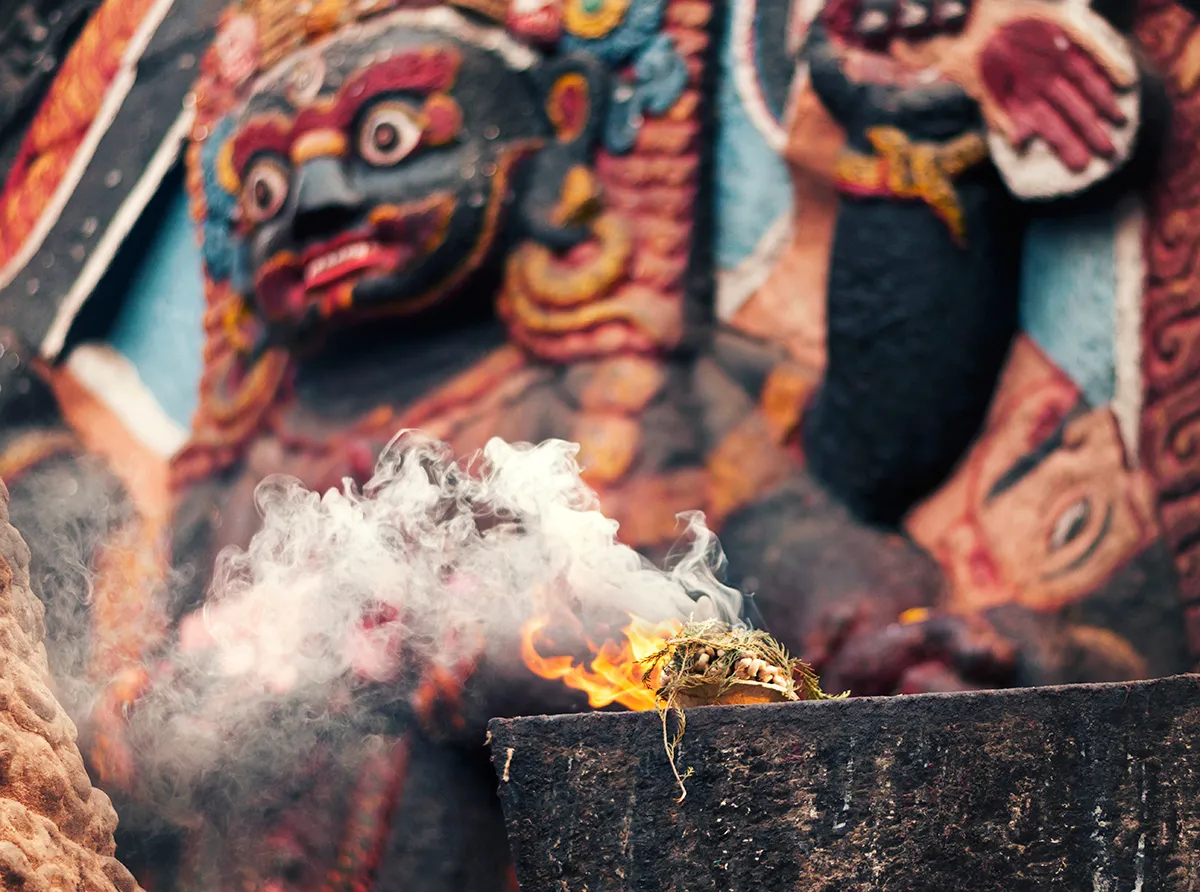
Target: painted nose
{"x":326,"y":203}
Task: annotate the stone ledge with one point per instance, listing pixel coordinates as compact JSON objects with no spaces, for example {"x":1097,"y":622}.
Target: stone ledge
{"x":1091,"y":787}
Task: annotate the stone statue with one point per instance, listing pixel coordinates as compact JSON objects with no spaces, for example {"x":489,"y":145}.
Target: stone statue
{"x":477,"y":220}
{"x":930,"y":145}
{"x":490,"y":218}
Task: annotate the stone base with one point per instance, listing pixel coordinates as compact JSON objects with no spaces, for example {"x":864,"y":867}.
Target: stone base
{"x":1092,"y":787}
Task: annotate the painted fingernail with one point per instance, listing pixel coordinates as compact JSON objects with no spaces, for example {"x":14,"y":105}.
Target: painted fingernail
{"x":872,"y":21}
{"x":953,"y":10}
{"x":913,"y":15}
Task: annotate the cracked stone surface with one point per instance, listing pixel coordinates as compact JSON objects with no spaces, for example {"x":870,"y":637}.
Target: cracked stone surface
{"x":1080,"y":787}
{"x":56,"y":829}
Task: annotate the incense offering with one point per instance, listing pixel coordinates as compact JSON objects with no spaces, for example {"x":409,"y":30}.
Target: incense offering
{"x":714,"y":664}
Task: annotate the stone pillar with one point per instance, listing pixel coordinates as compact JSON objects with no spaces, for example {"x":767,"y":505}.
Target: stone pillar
{"x":1071,"y":788}
{"x":56,"y":829}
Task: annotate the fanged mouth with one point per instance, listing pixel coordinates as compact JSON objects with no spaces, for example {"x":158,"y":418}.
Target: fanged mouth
{"x":331,"y":265}
{"x":325,"y":275}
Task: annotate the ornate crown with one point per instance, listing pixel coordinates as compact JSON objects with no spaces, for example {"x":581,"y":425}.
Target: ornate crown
{"x":286,"y":25}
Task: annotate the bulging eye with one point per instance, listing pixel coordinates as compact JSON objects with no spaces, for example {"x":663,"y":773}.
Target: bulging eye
{"x":1070,"y":524}
{"x":265,"y":190}
{"x":388,"y":134}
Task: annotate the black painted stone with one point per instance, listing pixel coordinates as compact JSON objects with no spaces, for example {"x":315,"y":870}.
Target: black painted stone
{"x":1068,"y":788}
{"x":164,"y":76}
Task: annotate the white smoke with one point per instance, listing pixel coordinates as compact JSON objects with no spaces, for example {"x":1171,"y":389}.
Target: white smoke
{"x":319,"y":631}
{"x":446,"y":553}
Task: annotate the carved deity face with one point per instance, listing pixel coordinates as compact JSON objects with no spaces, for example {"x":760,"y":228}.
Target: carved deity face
{"x":375,"y":168}
{"x":1045,"y":507}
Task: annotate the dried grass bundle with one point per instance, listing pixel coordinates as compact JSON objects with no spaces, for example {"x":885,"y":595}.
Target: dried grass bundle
{"x":711,"y":664}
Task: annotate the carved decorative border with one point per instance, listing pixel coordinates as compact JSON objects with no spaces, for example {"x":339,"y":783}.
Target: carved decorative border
{"x":1170,"y":423}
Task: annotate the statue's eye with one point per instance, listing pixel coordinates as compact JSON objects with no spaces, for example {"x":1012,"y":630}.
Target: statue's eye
{"x":388,"y":134}
{"x":265,"y":190}
{"x":1070,"y":524}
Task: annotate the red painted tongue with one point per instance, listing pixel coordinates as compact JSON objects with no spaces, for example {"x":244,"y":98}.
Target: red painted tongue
{"x":346,"y":268}
{"x":289,"y":295}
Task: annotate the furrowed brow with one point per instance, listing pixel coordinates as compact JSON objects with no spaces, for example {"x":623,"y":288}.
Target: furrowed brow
{"x":426,"y":70}
{"x":263,"y":133}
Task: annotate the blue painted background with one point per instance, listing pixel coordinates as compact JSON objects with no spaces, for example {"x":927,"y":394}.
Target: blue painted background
{"x":753,"y":188}
{"x":1068,"y":298}
{"x":159,"y":326}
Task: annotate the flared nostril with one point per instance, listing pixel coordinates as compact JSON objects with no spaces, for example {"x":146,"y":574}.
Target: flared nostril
{"x":326,"y":202}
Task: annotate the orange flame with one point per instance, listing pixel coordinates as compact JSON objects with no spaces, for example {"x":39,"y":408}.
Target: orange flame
{"x":613,"y":674}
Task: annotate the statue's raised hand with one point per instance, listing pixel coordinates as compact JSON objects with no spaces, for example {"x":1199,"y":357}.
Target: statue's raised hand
{"x":1043,"y":82}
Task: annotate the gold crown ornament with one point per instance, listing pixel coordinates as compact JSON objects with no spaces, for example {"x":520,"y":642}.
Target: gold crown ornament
{"x":284,"y":26}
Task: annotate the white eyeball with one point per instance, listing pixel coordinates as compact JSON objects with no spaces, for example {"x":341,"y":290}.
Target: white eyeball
{"x":1070,"y":525}
{"x":265,"y":189}
{"x":388,"y":134}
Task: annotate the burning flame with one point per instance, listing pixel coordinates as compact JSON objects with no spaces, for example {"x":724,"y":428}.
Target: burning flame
{"x":613,"y":673}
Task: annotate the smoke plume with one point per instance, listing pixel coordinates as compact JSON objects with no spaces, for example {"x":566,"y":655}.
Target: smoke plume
{"x":316,"y":635}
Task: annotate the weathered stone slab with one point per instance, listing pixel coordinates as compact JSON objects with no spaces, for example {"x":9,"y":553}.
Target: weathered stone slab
{"x":1092,"y":787}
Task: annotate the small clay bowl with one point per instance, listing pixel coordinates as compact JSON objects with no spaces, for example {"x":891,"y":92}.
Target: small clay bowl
{"x":740,"y":693}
